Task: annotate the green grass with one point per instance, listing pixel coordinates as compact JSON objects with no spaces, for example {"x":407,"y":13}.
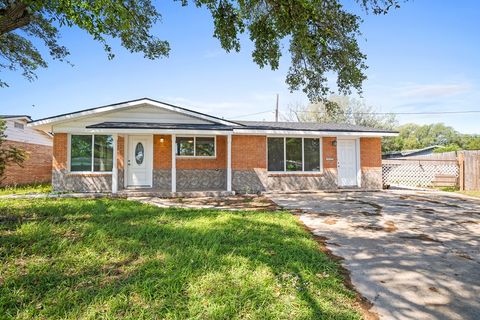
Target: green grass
{"x":117,"y":259}
{"x":456,"y":190}
{"x":470,"y":193}
{"x":25,"y":189}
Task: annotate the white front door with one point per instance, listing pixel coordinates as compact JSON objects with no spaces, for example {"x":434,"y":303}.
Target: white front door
{"x":347,"y":162}
{"x":139,"y":162}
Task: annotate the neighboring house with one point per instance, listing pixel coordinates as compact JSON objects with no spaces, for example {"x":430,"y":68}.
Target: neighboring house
{"x":150,"y":144}
{"x":409,"y":153}
{"x":38,"y":146}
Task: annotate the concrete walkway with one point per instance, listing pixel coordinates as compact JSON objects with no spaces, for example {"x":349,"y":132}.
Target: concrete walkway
{"x":414,"y":255}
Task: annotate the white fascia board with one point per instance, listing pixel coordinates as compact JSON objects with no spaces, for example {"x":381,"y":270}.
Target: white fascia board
{"x":283,"y":133}
{"x":131,"y":104}
{"x":147,"y":131}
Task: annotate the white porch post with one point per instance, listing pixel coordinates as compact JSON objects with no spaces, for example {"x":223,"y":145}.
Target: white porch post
{"x":229,"y":162}
{"x":115,"y":166}
{"x":174,"y":165}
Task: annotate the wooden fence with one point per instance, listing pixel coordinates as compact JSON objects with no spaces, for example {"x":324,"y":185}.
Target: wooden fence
{"x":469,"y":162}
{"x":460,"y":169}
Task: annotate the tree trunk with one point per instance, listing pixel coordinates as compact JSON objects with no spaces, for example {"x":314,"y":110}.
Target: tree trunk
{"x":15,"y":16}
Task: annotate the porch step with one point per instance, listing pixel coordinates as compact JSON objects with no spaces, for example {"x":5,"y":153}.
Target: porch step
{"x":178,"y":194}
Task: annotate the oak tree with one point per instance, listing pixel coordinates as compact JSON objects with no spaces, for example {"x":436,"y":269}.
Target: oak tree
{"x":321,"y":35}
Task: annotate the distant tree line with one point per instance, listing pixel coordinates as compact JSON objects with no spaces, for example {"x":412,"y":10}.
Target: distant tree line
{"x":344,"y":109}
{"x":415,"y":136}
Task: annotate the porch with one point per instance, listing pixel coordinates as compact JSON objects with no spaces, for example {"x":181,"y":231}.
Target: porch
{"x":173,"y":163}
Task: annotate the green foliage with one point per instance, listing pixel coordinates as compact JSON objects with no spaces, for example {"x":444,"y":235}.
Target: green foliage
{"x":415,"y":136}
{"x":447,"y":148}
{"x":321,"y":34}
{"x":343,"y":109}
{"x":9,"y":155}
{"x":119,"y":259}
{"x":26,"y":189}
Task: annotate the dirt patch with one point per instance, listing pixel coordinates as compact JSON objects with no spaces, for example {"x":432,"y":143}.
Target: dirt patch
{"x":237,"y":202}
{"x":330,"y":221}
{"x":364,"y":304}
{"x":390,"y":226}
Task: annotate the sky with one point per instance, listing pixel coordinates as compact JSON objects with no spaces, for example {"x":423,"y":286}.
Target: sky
{"x":423,"y":57}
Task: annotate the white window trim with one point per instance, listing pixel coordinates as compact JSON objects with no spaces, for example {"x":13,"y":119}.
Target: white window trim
{"x":320,"y":151}
{"x":195,"y":147}
{"x":69,"y":157}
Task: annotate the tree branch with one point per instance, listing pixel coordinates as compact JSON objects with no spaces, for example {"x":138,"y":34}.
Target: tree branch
{"x":14,"y":16}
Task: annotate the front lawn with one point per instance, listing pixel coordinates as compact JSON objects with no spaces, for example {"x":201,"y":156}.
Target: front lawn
{"x":111,"y":259}
{"x":26,"y":189}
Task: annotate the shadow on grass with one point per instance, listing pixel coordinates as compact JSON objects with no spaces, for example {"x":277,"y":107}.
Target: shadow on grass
{"x":75,"y":258}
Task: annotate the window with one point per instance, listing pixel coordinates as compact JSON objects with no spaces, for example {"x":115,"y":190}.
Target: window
{"x":195,"y":146}
{"x":92,"y":153}
{"x":311,"y":153}
{"x":294,"y":154}
{"x":276,"y":154}
{"x":18,"y":125}
{"x":185,"y":146}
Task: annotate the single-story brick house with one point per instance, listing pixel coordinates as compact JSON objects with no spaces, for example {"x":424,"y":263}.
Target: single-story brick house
{"x":150,"y":144}
{"x":38,"y":146}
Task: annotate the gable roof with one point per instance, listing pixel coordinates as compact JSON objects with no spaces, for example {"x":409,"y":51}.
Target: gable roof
{"x":128,"y":104}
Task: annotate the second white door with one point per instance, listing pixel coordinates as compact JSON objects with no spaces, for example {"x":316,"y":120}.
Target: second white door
{"x":347,"y":162}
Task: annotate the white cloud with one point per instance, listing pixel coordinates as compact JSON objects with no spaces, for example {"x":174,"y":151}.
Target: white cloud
{"x":433,"y":90}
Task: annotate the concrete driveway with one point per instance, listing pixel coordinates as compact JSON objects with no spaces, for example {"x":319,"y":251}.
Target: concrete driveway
{"x":414,"y":255}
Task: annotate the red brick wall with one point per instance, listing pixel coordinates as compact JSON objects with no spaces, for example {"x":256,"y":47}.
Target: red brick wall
{"x":162,"y":152}
{"x":60,"y":151}
{"x":370,"y":152}
{"x":37,"y":168}
{"x":249,"y":152}
{"x":330,"y":152}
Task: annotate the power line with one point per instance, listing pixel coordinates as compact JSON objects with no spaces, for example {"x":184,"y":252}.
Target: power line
{"x":252,"y":114}
{"x":397,"y":113}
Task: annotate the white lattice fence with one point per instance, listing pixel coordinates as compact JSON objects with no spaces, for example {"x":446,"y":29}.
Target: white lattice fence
{"x":417,"y":173}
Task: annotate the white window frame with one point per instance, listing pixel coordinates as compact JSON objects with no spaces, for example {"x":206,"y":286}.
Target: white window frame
{"x":195,"y":147}
{"x":284,"y":171}
{"x":69,"y":150}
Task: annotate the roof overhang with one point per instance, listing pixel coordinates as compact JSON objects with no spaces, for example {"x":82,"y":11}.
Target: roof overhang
{"x":129,"y":104}
{"x":16,"y":117}
{"x":315,"y":133}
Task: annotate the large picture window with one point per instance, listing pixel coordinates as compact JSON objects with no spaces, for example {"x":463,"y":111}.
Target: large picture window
{"x":92,"y":153}
{"x":195,"y":146}
{"x":294,"y":154}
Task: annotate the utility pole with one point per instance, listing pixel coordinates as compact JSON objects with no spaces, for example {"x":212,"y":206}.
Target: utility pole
{"x":276,"y":110}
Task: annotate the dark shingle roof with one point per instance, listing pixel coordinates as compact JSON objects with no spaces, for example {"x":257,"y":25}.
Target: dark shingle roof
{"x":156,"y":125}
{"x":9,"y":116}
{"x":254,"y":125}
{"x":309,"y":126}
